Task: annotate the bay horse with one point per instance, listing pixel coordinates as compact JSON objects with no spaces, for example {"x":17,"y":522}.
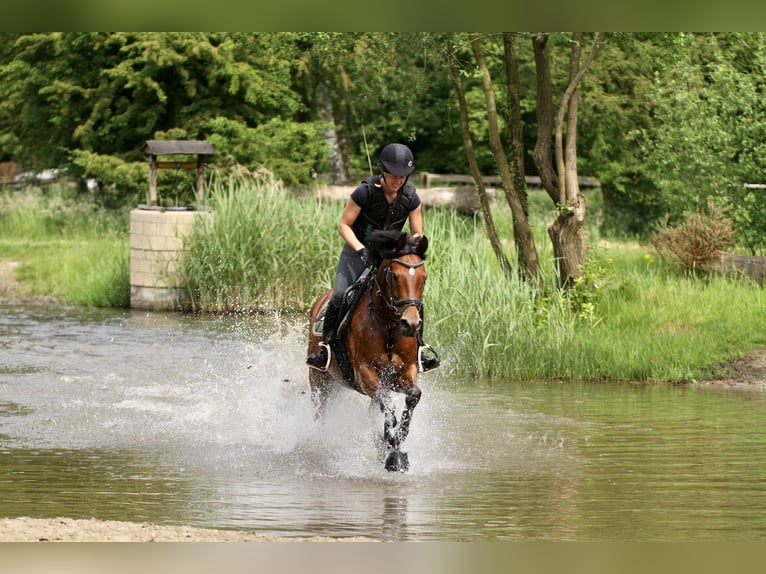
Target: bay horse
{"x":377,"y":349}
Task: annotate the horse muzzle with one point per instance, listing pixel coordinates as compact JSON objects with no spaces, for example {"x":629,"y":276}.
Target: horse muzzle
{"x":411,"y":319}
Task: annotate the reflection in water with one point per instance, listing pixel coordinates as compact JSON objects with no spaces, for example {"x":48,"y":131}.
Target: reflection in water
{"x":394,"y":525}
{"x":207,"y":422}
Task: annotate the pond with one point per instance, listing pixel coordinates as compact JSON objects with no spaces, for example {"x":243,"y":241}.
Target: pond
{"x":174,"y":419}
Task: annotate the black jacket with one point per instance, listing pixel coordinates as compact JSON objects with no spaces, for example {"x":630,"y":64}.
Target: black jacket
{"x":376,"y":212}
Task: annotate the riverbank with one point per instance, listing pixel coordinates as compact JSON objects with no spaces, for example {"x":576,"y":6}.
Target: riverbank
{"x":26,"y":529}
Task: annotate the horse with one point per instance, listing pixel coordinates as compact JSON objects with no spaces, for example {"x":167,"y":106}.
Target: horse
{"x":377,"y":353}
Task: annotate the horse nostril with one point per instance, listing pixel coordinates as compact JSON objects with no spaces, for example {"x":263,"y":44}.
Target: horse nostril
{"x":410,"y":327}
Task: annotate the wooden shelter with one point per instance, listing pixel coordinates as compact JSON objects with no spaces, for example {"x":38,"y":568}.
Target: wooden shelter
{"x":157,"y":148}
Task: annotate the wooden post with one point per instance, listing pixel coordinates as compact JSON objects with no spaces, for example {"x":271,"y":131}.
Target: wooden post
{"x":152,"y":179}
{"x":200,"y":181}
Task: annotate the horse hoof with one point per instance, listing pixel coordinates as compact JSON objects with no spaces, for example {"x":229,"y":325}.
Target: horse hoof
{"x":397,"y":461}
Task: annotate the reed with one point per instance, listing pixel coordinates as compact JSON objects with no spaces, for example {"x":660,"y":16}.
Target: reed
{"x":263,"y":250}
{"x":630,"y":319}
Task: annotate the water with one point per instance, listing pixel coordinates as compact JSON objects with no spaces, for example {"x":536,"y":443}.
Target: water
{"x":126,"y":415}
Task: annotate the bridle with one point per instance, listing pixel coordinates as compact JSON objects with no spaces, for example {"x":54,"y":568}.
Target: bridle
{"x":395,"y":306}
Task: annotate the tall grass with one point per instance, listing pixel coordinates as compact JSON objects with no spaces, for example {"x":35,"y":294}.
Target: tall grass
{"x":263,"y":249}
{"x":629,"y":320}
{"x":67,"y":248}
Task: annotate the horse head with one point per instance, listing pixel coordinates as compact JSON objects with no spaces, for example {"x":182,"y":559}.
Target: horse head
{"x":401,"y":278}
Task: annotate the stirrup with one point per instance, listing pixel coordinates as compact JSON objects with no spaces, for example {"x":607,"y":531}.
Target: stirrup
{"x":435,"y":361}
{"x":329,"y":358}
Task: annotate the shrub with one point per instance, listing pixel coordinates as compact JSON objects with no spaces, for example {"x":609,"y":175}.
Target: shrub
{"x":695,"y":243}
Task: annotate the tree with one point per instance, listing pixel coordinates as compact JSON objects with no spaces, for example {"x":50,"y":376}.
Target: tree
{"x":559,"y":178}
{"x":566,"y":231}
{"x":368,"y":88}
{"x":494,"y":238}
{"x":708,"y":138}
{"x":88,"y":101}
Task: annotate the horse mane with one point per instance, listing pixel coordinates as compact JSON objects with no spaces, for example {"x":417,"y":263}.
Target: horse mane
{"x":385,"y":243}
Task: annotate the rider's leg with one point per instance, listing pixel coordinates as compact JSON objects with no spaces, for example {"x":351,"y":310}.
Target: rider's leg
{"x":350,"y":266}
{"x":321,"y":359}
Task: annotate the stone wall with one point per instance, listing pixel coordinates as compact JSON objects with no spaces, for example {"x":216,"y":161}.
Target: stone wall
{"x":156,"y":249}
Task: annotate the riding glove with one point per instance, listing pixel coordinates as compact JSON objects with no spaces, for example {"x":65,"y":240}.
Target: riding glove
{"x":366,"y":256}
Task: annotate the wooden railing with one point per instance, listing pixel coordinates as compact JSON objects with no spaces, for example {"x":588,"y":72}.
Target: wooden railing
{"x":428,"y":179}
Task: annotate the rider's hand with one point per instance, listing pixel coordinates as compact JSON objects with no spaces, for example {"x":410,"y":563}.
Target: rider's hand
{"x":366,"y":256}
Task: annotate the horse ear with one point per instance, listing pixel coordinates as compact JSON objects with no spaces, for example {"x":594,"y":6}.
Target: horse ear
{"x":422,"y":245}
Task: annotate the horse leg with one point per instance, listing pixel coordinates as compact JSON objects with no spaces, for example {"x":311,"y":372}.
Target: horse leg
{"x":319,"y":393}
{"x":395,"y":433}
{"x":389,"y":419}
{"x":411,"y":401}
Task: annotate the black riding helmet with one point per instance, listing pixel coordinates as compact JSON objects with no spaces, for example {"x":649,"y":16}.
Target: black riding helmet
{"x":397,"y":158}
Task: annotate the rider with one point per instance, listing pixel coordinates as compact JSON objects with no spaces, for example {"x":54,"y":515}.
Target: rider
{"x":384,"y":201}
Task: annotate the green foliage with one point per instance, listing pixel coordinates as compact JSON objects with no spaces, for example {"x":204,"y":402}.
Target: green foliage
{"x":124,"y":182}
{"x":707,"y":138}
{"x":88,"y":101}
{"x":287,"y":149}
{"x":615,"y":113}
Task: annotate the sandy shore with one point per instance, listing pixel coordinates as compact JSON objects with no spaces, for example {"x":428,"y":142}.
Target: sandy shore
{"x":91,"y":530}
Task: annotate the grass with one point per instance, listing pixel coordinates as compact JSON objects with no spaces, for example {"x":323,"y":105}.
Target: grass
{"x":66,"y":248}
{"x":629,"y":320}
{"x":264,"y":250}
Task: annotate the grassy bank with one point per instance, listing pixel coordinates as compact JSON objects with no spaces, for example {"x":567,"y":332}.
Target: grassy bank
{"x":631,"y":319}
{"x":66,"y":249}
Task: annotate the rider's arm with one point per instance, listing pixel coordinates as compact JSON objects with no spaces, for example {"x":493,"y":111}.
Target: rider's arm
{"x":416,"y":221}
{"x":347,"y":219}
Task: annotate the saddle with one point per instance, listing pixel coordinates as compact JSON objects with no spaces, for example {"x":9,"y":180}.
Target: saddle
{"x":348,"y":305}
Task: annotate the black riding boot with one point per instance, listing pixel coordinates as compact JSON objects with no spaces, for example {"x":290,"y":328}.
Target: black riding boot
{"x":428,"y":360}
{"x":321,"y":359}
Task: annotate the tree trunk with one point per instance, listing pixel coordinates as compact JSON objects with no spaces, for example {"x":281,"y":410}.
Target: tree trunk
{"x":566,"y":231}
{"x":541,"y":154}
{"x":341,"y":111}
{"x":515,"y":123}
{"x":481,"y":191}
{"x":334,"y":166}
{"x":523,"y":238}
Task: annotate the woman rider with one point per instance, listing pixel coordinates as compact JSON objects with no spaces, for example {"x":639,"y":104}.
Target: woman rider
{"x":385,"y":201}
